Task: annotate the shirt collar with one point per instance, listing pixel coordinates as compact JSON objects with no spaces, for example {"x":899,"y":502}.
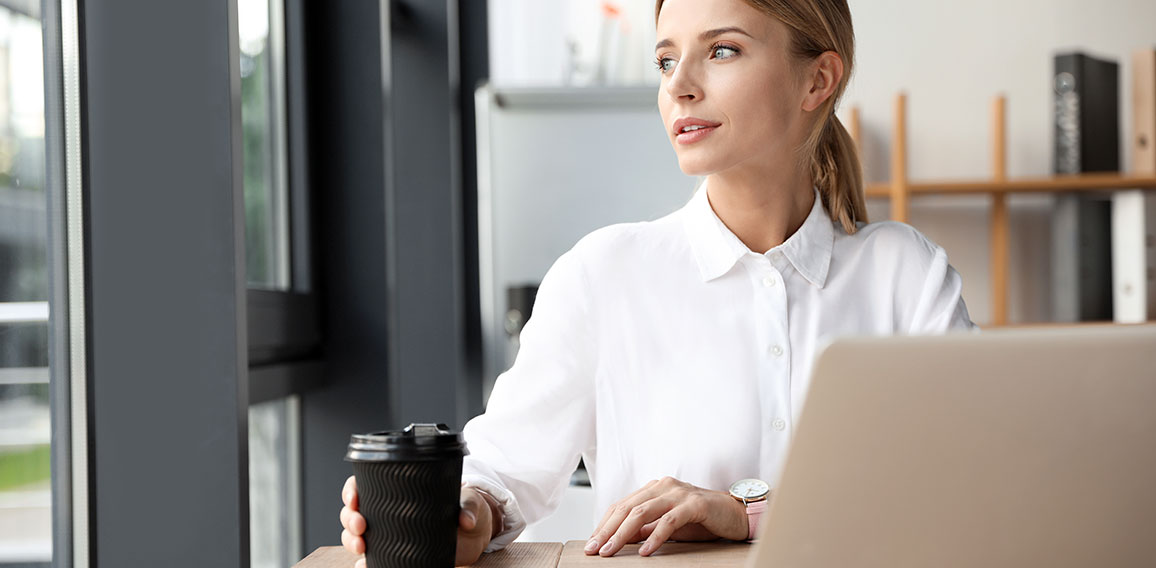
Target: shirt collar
{"x":717,"y":249}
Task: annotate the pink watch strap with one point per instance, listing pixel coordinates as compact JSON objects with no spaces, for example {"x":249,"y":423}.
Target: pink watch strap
{"x":754,"y":515}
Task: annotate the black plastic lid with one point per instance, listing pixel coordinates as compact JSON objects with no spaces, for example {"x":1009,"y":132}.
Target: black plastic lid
{"x":418,"y":442}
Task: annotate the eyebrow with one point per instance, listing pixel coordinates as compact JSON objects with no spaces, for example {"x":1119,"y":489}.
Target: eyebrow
{"x":709,"y":34}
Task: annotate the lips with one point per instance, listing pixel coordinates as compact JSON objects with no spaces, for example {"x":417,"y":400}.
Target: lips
{"x":689,"y":130}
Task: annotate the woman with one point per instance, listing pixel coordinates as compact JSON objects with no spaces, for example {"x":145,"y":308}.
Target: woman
{"x":680,"y":350}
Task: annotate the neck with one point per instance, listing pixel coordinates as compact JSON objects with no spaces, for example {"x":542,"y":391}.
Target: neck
{"x":762,"y":210}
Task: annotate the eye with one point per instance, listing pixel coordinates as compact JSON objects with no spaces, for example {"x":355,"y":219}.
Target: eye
{"x":664,"y":64}
{"x":723,"y":52}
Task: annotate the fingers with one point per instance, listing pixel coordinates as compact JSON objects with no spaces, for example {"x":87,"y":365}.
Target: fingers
{"x":647,"y":529}
{"x":631,"y":527}
{"x":349,"y":493}
{"x":673,"y":520}
{"x":615,"y":516}
{"x":474,"y":527}
{"x":354,"y":544}
{"x":352,"y":521}
{"x":467,"y":520}
{"x":474,"y":507}
{"x":610,"y":511}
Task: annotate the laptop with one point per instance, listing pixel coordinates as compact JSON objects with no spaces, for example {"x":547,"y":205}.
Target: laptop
{"x":1007,"y":448}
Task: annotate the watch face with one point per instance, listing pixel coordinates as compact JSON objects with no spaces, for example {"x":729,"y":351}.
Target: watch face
{"x":750,"y":489}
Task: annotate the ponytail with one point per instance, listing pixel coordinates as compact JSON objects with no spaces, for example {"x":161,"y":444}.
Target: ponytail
{"x":837,"y":174}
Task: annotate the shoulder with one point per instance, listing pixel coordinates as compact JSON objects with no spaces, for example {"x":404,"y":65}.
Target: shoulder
{"x":621,"y":257}
{"x":890,"y":243}
{"x":893,"y":255}
{"x":891,"y":236}
{"x":629,"y":241}
{"x":906,"y":273}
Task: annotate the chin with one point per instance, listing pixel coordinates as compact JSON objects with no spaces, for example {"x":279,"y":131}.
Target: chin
{"x":696,"y":167}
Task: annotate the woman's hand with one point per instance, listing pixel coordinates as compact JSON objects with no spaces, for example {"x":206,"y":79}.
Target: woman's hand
{"x":352,"y":523}
{"x":668,"y":509}
{"x":475,"y":524}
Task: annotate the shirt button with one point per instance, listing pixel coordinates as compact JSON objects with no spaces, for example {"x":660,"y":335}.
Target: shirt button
{"x":776,"y":256}
{"x":777,"y":351}
{"x":779,"y":424}
{"x":769,"y":281}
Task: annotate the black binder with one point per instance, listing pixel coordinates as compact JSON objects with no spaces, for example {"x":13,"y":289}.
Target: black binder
{"x":1087,"y":139}
{"x":1087,"y":114}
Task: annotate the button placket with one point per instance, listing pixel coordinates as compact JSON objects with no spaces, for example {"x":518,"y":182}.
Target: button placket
{"x":779,"y":337}
{"x":777,"y":348}
{"x":760,"y":272}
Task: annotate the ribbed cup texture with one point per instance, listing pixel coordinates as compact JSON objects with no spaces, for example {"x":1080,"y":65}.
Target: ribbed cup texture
{"x":411,"y":512}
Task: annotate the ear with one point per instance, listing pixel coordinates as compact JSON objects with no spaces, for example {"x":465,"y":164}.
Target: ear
{"x":825,"y":72}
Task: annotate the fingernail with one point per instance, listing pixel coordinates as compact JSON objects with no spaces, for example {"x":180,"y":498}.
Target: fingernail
{"x":591,"y":545}
{"x":472,"y":516}
{"x":645,"y":549}
{"x":606,"y":547}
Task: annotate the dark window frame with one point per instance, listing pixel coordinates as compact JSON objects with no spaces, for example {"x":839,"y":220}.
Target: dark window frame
{"x":60,"y":322}
{"x":285,"y":337}
{"x":380,"y":321}
{"x":165,"y":301}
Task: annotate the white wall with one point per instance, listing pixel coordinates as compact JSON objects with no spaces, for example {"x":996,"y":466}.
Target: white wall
{"x":951,"y":58}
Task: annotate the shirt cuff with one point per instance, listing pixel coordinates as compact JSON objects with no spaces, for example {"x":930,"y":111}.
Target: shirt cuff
{"x":513,"y":523}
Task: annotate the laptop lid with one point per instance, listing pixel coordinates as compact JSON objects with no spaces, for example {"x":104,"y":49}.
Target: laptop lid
{"x":1007,"y":448}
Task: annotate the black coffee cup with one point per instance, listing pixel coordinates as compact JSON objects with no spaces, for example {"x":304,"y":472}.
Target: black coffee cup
{"x":408,"y":490}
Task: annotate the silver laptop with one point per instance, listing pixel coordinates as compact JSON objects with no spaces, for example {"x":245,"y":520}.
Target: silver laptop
{"x":1008,"y":448}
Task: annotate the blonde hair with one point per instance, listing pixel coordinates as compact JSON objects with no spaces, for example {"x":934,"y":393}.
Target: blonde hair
{"x":819,"y":26}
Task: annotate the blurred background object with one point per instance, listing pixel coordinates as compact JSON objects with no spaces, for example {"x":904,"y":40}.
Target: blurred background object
{"x":25,"y":424}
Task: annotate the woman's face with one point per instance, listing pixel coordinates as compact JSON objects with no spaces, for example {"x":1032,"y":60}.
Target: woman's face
{"x":729,"y":96}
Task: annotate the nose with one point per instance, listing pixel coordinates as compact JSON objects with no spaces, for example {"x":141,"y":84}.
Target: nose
{"x":683,"y":85}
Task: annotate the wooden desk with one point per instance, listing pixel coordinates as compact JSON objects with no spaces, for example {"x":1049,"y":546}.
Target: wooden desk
{"x":722,"y":554}
{"x":555,"y":555}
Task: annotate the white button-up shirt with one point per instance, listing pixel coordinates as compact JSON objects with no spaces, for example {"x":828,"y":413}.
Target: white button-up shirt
{"x":668,"y":348}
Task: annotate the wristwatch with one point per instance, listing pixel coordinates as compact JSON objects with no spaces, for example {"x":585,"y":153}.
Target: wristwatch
{"x":753,"y":494}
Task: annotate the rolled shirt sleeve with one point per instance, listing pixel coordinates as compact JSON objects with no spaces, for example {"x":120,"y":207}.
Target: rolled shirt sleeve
{"x":540,"y":416}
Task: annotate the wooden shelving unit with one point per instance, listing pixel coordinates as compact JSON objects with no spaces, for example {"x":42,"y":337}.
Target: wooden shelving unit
{"x":900,"y":190}
{"x":1053,"y":184}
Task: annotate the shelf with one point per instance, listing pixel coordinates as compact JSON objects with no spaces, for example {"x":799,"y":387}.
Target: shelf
{"x":1052,"y":184}
{"x":899,"y":190}
{"x":1065,"y":325}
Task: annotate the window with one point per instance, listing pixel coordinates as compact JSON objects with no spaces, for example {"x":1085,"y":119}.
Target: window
{"x":274,"y":425}
{"x":25,"y":422}
{"x":261,"y":25}
{"x":274,"y":480}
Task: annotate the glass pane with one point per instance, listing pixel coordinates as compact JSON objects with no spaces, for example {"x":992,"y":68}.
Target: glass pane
{"x":263,"y":132}
{"x":274,"y":488}
{"x":25,"y":432}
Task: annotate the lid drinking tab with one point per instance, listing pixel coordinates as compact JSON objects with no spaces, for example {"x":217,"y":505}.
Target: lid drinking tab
{"x":417,"y":442}
{"x":426,"y":429}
